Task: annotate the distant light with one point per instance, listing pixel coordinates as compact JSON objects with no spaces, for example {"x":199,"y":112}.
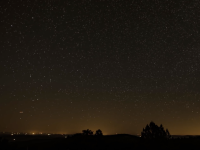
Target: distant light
{"x":21,"y":112}
{"x":49,"y":134}
{"x":33,"y":133}
{"x":14,"y":139}
{"x":11,"y":134}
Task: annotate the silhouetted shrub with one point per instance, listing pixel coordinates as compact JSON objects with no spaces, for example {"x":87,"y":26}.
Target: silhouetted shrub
{"x":152,"y":131}
{"x":87,"y":132}
{"x":99,"y":132}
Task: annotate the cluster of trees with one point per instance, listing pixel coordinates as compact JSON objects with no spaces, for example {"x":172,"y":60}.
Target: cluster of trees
{"x":90,"y":132}
{"x":153,"y":131}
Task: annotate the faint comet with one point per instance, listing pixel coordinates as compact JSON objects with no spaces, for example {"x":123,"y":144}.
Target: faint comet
{"x":21,"y":112}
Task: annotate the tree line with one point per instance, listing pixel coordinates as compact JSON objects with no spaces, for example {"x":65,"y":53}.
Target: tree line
{"x":90,"y":132}
{"x":151,"y":131}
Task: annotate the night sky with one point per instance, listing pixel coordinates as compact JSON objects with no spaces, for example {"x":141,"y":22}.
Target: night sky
{"x":113,"y":65}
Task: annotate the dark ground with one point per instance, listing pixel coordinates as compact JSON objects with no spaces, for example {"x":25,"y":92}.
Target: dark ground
{"x":80,"y":142}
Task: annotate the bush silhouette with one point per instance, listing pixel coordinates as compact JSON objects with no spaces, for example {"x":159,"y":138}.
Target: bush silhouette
{"x":87,"y":132}
{"x":99,"y":132}
{"x":153,"y":131}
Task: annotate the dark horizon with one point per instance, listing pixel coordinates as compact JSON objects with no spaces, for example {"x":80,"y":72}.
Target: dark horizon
{"x":51,"y":134}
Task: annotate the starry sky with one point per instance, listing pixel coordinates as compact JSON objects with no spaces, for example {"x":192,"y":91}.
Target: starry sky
{"x":113,"y":65}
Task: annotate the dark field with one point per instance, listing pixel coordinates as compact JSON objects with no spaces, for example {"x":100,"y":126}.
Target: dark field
{"x":123,"y":141}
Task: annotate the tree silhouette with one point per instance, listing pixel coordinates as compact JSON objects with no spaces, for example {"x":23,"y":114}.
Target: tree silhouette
{"x":87,"y":132}
{"x":153,"y":131}
{"x":99,"y":132}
